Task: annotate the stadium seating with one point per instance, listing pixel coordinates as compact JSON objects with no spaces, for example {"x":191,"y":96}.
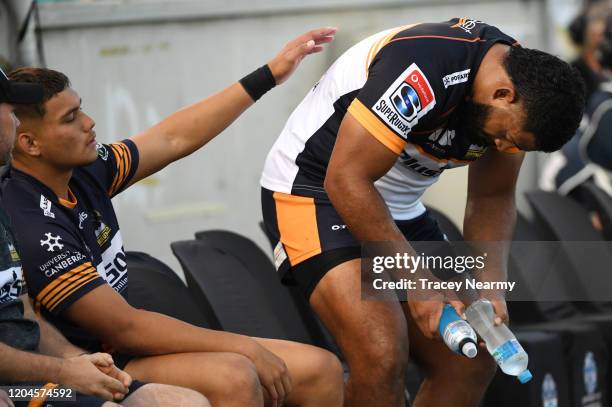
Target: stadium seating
{"x":290,"y":305}
{"x":586,"y":360}
{"x":550,"y":383}
{"x":580,"y":266}
{"x":230,"y":291}
{"x":595,"y":199}
{"x":151,"y":280}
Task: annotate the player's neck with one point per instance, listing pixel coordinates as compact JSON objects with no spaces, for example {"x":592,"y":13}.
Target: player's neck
{"x":54,"y":178}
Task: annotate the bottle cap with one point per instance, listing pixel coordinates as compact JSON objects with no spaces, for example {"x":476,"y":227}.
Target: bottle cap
{"x":470,"y":350}
{"x":525,"y":376}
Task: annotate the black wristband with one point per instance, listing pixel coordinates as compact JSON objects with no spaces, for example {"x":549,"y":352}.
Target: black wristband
{"x":258,"y":82}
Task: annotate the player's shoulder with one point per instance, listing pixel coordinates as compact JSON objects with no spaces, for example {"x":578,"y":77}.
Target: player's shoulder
{"x":19,"y":192}
{"x":456,"y":29}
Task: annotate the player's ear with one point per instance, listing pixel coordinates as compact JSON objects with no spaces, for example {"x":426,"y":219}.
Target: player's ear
{"x":506,"y":93}
{"x":26,"y":143}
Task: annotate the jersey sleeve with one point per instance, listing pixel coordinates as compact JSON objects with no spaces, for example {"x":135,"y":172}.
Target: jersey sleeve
{"x":56,"y":263}
{"x":115,"y":166}
{"x":397,"y":94}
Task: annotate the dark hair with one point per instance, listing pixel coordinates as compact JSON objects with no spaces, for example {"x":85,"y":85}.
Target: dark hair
{"x":604,"y":52}
{"x":552,"y":93}
{"x":53,"y":82}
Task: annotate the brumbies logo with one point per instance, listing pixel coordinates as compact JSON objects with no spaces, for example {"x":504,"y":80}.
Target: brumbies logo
{"x":467,"y":24}
{"x":102,"y":151}
{"x":408,"y":99}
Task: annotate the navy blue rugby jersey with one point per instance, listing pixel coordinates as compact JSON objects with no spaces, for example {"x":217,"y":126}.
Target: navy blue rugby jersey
{"x":70,"y":247}
{"x":405,"y":86}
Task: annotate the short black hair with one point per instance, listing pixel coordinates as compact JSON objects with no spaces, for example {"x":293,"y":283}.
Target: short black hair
{"x":53,"y":82}
{"x":552,"y":93}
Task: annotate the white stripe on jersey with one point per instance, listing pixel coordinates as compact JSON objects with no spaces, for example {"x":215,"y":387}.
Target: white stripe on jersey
{"x":347,"y":74}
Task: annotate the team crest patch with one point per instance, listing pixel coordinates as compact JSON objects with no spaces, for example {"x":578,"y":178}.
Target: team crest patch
{"x":474,"y":152}
{"x":408,"y":99}
{"x":102,"y":151}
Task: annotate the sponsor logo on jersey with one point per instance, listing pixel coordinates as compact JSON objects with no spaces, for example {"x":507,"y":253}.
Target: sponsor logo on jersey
{"x":45,"y":205}
{"x":113,"y":267}
{"x":102,"y":230}
{"x":408,"y":99}
{"x":456,"y":78}
{"x":82,"y":217}
{"x":444,"y":137}
{"x":62,"y":262}
{"x":11,"y":284}
{"x":467,"y":24}
{"x":51,"y":242}
{"x":13,"y":252}
{"x":412,"y":163}
{"x":338,"y":227}
{"x":102,"y":151}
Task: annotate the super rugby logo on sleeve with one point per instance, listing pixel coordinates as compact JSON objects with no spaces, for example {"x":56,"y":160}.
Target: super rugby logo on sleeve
{"x":408,"y":99}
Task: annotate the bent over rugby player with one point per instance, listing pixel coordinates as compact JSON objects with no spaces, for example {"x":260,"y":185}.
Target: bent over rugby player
{"x":354,"y":158}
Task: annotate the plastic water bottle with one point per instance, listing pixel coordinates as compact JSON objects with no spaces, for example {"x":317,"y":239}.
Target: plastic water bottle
{"x":501,"y":342}
{"x":457,"y":334}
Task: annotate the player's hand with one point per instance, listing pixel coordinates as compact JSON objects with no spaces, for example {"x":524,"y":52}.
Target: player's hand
{"x":104,"y":363}
{"x":284,"y":64}
{"x":501,"y":311}
{"x":5,"y":401}
{"x":83,"y":374}
{"x":427,"y":313}
{"x":273,"y":374}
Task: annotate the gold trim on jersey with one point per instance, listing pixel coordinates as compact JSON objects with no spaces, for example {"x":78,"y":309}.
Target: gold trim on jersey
{"x":65,"y":285}
{"x":376,"y":128}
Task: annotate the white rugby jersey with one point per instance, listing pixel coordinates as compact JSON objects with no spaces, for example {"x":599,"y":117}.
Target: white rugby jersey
{"x":403,"y":85}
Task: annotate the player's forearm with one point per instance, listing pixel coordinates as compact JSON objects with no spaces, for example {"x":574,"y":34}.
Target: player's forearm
{"x":150,"y":333}
{"x":19,"y":366}
{"x":52,"y":342}
{"x":190,"y":128}
{"x":362,"y":208}
{"x":489,"y":223}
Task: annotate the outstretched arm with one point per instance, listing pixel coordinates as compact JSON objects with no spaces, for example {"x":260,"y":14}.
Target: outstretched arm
{"x":190,"y":128}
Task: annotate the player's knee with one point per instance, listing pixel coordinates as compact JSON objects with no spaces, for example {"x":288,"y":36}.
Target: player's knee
{"x":458,"y":372}
{"x":482,"y":371}
{"x":238,"y":372}
{"x":382,"y":361}
{"x":325,"y":369}
{"x":155,"y":394}
{"x":188,"y":397}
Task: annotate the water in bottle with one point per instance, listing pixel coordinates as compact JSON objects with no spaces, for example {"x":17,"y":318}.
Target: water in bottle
{"x":457,"y":334}
{"x":501,"y":342}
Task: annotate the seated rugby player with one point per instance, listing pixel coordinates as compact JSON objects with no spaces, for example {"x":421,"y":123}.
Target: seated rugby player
{"x":58,"y":193}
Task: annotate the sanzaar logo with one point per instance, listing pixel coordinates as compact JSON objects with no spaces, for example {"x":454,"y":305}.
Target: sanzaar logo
{"x":413,"y":263}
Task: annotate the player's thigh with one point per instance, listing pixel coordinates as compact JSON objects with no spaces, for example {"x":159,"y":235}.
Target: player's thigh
{"x":210,"y":373}
{"x":363,"y":329}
